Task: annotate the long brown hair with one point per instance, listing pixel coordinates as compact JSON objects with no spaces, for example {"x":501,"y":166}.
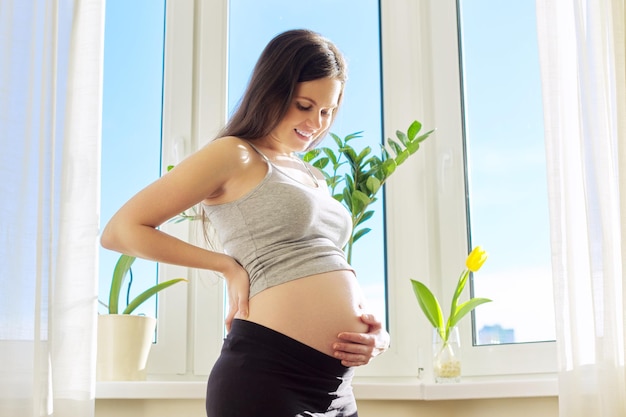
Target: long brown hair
{"x":291,"y":57}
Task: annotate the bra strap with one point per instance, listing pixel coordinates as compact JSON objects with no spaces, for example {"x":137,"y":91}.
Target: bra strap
{"x":259,"y":152}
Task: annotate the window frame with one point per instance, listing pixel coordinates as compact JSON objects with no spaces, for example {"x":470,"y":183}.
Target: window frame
{"x":425,"y":221}
{"x":169,"y":355}
{"x":440,"y":216}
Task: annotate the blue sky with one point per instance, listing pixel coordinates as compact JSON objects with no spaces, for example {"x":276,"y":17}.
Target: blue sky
{"x":506,"y":159}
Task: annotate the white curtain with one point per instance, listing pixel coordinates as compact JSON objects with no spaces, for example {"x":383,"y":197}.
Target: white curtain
{"x":50,"y":111}
{"x":582,"y":49}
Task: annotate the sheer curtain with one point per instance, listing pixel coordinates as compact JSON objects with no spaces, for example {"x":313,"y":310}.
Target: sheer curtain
{"x":50,"y":111}
{"x":582,"y":50}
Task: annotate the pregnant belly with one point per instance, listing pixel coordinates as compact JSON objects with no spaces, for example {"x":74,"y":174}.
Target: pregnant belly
{"x":312,"y":310}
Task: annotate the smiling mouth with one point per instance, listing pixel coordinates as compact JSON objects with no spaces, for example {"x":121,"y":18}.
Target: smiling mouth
{"x":307,"y":135}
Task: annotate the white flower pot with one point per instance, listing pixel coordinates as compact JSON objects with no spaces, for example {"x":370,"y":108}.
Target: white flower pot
{"x":124,"y":342}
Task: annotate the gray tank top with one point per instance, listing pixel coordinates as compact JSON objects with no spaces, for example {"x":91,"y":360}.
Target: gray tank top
{"x":282,"y":230}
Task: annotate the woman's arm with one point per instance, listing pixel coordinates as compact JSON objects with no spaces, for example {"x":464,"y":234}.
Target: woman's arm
{"x":214,"y":172}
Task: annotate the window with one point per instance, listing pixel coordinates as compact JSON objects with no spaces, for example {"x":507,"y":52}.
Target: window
{"x":506,"y":172}
{"x":450,"y":173}
{"x":426,"y":210}
{"x":425,"y":220}
{"x":132,"y":149}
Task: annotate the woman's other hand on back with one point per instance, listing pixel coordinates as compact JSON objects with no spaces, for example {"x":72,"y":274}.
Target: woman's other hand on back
{"x":238,"y":284}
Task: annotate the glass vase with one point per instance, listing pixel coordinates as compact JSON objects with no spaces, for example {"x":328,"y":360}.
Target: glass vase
{"x":446,"y":360}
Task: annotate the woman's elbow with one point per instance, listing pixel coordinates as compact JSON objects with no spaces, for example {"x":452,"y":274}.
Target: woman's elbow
{"x":109,"y":239}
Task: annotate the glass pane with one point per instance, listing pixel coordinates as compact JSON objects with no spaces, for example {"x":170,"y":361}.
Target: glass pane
{"x":131,"y":122}
{"x":506,"y":171}
{"x":253,"y":23}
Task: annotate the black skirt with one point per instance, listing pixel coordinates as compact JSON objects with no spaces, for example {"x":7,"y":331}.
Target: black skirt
{"x":261,"y":372}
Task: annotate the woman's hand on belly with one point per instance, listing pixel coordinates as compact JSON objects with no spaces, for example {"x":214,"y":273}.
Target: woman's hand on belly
{"x":356,"y":349}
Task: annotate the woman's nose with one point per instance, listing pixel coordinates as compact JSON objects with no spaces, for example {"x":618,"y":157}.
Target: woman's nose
{"x":315,"y":121}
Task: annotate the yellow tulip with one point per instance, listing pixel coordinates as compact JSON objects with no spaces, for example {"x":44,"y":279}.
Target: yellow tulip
{"x":476,"y":259}
{"x":431,"y":306}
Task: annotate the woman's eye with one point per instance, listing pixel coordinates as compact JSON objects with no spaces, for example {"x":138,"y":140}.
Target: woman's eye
{"x":302,"y":107}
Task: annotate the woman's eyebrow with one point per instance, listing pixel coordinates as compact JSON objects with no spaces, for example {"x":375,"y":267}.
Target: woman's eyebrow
{"x":307,"y":98}
{"x":315,"y":102}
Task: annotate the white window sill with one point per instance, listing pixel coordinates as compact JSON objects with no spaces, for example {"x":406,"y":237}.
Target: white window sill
{"x":364,"y":388}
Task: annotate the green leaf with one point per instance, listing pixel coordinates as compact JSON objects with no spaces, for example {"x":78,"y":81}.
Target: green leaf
{"x":137,"y":301}
{"x":366,"y":216}
{"x":364,"y":153}
{"x":384,"y":154}
{"x":349,"y":183}
{"x":375,"y":161}
{"x":119,"y":275}
{"x":122,"y":267}
{"x":354,"y":135}
{"x":394,"y":146}
{"x":361,"y":233}
{"x":428,"y":303}
{"x":350,"y":155}
{"x":465,"y":308}
{"x":360,"y":200}
{"x":347,"y":199}
{"x":402,"y":136}
{"x":331,"y":155}
{"x":373,"y":184}
{"x":320,"y":163}
{"x":424,"y":136}
{"x":414,"y":130}
{"x":311,"y":155}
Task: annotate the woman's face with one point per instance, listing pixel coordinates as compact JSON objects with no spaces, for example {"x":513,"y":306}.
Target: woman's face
{"x":309,"y":115}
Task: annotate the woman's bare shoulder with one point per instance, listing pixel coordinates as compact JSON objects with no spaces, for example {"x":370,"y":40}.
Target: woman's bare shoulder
{"x":228,"y":147}
{"x":226,"y":153}
{"x":234,"y":168}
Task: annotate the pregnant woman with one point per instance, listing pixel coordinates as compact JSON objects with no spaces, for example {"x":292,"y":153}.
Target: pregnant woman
{"x":297,"y":323}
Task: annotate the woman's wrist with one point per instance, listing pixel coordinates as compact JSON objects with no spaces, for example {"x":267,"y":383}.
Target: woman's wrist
{"x":227,"y":265}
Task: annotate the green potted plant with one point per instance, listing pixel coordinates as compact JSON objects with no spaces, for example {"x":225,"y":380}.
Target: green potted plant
{"x":366,"y":174}
{"x":125,"y":339}
{"x":446,"y":362}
